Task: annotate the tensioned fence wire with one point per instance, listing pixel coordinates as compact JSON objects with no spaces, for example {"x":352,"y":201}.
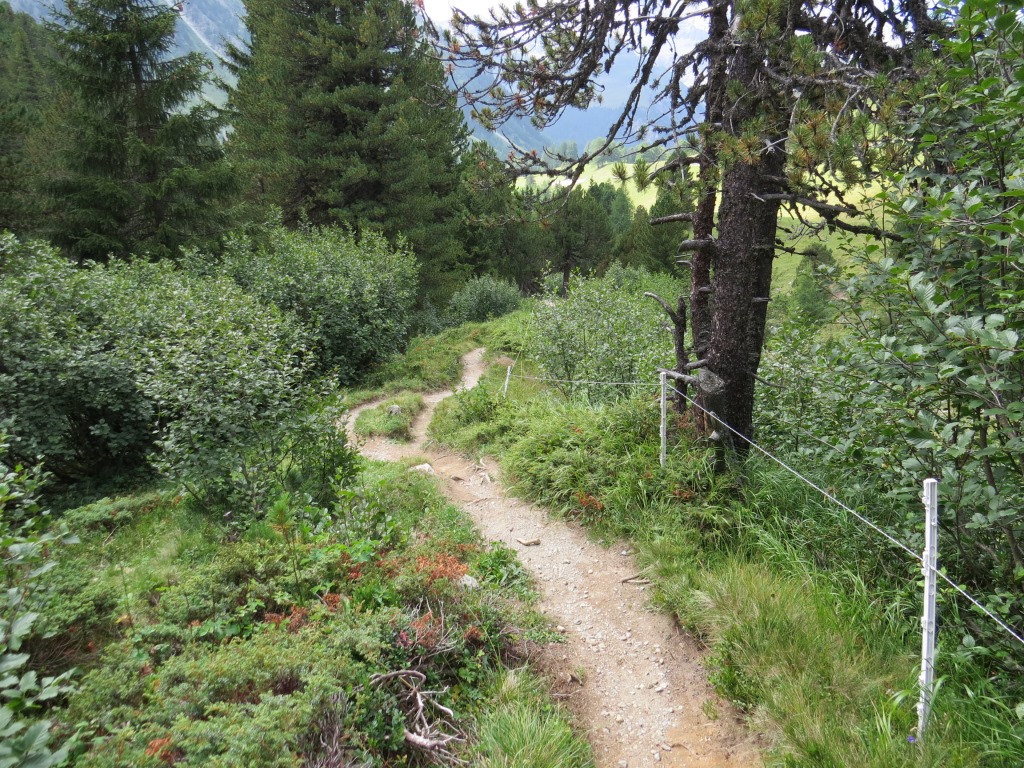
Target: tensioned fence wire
{"x":896,"y":542}
{"x":583,"y":382}
{"x":890,"y":538}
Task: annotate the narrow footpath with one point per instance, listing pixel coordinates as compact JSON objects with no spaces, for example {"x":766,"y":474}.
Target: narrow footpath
{"x":633,"y":680}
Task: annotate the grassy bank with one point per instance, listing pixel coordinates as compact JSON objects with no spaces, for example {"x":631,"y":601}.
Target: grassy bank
{"x":302,"y":640}
{"x":812,"y":629}
{"x":392,"y":418}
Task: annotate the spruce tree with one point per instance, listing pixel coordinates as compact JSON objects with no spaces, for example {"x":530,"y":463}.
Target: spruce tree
{"x":143,"y":171}
{"x":582,"y":234}
{"x":667,"y":234}
{"x":24,"y":88}
{"x":341,"y":117}
{"x":634,"y":247}
{"x":503,"y":235}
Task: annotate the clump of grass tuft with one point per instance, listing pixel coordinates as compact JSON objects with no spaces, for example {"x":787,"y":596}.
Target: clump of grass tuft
{"x":524,"y":730}
{"x":392,"y":418}
{"x":431,"y":362}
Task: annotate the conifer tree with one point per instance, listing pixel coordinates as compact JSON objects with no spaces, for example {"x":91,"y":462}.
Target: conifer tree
{"x":143,"y":171}
{"x":634,"y":248}
{"x":666,"y":235}
{"x":341,"y":117}
{"x":24,"y":87}
{"x":582,"y":234}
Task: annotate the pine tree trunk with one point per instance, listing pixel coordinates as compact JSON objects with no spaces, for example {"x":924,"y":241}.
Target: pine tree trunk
{"x":741,"y":270}
{"x":704,"y":216}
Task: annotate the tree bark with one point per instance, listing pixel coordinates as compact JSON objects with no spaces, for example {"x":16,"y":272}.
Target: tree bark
{"x":704,"y":216}
{"x":742,"y":263}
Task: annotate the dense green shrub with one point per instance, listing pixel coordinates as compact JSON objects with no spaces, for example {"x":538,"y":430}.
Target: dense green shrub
{"x":483,"y":298}
{"x":116,"y":365}
{"x":225,"y":377}
{"x":602,"y":331}
{"x":354,"y":295}
{"x":28,"y":542}
{"x":930,"y":380}
{"x":73,"y":398}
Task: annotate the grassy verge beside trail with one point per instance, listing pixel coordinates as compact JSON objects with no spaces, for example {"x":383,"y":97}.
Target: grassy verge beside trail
{"x":392,"y":418}
{"x":434,"y":362}
{"x":815,"y":642}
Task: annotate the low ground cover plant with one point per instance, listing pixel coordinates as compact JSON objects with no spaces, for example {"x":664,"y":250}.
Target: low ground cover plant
{"x":29,"y":540}
{"x":303,"y":639}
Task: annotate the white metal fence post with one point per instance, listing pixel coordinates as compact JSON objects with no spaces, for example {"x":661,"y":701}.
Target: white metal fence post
{"x":664,"y":417}
{"x":508,"y":375}
{"x":926,"y":682}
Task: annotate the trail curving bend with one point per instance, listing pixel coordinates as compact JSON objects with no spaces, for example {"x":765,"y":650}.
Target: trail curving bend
{"x":633,"y":679}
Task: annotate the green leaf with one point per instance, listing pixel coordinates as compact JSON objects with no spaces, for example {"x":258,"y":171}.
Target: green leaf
{"x":11,"y":661}
{"x":20,"y":629}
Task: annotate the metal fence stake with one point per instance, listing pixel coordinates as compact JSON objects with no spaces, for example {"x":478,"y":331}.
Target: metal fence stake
{"x":930,"y":557}
{"x":664,"y":417}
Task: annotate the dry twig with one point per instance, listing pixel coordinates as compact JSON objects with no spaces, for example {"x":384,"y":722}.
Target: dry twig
{"x":429,"y":725}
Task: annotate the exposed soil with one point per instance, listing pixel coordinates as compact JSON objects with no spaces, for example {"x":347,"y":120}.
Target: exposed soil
{"x":633,"y":679}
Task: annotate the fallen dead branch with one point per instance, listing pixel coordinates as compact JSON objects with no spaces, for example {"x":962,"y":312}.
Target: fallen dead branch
{"x":635,"y":579}
{"x":429,"y":725}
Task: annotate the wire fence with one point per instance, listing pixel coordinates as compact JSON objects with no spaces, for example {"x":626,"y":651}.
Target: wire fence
{"x":584,"y":382}
{"x":917,"y":557}
{"x":889,"y":537}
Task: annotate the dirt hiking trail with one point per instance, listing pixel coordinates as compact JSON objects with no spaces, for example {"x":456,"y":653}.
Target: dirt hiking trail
{"x":633,"y":680}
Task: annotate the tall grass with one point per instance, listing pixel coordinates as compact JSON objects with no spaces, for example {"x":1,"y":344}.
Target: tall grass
{"x":812,"y":625}
{"x":392,"y":418}
{"x":522,"y":729}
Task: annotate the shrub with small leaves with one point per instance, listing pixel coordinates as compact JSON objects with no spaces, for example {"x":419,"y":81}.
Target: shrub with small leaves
{"x":126,"y":364}
{"x":73,"y":399}
{"x":483,"y":298}
{"x":602,"y":331}
{"x":353,"y":295}
{"x":27,"y":541}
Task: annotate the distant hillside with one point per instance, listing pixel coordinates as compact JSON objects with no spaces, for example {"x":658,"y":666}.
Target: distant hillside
{"x":208,"y":26}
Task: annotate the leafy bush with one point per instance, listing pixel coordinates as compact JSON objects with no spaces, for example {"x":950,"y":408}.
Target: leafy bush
{"x":118,"y":365}
{"x":483,"y":298}
{"x":930,"y":381}
{"x":221,"y":372}
{"x":27,"y":542}
{"x":603,"y":331}
{"x":72,"y":397}
{"x":354,"y":295}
